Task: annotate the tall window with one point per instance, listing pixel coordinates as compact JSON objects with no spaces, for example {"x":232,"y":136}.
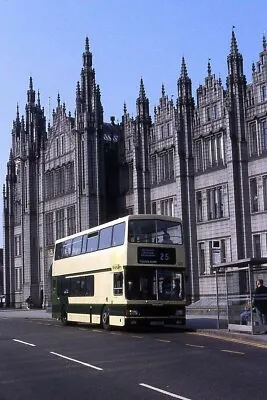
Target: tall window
{"x":61,"y":180}
{"x":167,"y":207}
{"x":171,"y":163}
{"x":17,"y":245}
{"x":57,"y":146}
{"x":49,"y":229}
{"x":263,"y":93}
{"x":253,"y":138}
{"x":69,"y":177}
{"x":18,"y":279}
{"x":215,"y":203}
{"x":198,"y":155}
{"x":257,"y":246}
{"x":223,"y":251}
{"x":153,"y":169}
{"x":57,"y":182}
{"x":254,"y":195}
{"x":168,"y":129}
{"x":154,"y":207}
{"x":264,"y":183}
{"x":215,"y":112}
{"x":264,"y":134}
{"x":71,"y":223}
{"x":62,"y":144}
{"x":208,"y":113}
{"x":208,"y":153}
{"x":25,"y":186}
{"x":166,"y":165}
{"x":60,"y":223}
{"x":201,"y":258}
{"x":82,"y":163}
{"x":220,"y":148}
{"x":199,"y":206}
{"x":17,"y":212}
{"x":130,"y":175}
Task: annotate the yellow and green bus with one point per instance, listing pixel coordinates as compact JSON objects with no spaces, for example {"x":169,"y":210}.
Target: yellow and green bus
{"x":127,"y":272}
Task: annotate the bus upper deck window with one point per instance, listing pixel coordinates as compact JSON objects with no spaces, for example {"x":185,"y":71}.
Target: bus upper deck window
{"x":118,"y":234}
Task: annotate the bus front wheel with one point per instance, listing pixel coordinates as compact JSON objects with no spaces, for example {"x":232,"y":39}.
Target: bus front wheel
{"x":105,"y":318}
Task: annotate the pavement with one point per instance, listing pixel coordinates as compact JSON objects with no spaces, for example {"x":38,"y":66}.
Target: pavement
{"x":201,"y":325}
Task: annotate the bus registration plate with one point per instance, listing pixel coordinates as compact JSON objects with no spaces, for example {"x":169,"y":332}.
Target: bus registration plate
{"x":157,"y":323}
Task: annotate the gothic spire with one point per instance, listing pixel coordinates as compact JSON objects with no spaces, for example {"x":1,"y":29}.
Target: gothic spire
{"x":38,"y":99}
{"x":142,"y":93}
{"x":17,"y":116}
{"x":31,"y":92}
{"x":163,"y":90}
{"x":87,"y":55}
{"x":86,"y":44}
{"x":124,"y":108}
{"x":209,"y":68}
{"x":58,"y":99}
{"x":264,"y":44}
{"x":30,"y":84}
{"x":234,"y":48}
{"x":183,"y":69}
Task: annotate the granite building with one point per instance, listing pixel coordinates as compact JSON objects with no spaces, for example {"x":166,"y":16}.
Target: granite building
{"x":203,"y":161}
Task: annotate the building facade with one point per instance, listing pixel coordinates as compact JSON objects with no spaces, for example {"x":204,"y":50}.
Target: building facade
{"x":204,"y":161}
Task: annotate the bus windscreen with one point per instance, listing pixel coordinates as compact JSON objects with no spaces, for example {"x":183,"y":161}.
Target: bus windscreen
{"x":155,"y":231}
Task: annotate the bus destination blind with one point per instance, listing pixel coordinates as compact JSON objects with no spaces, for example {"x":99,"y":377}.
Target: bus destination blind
{"x":152,"y":255}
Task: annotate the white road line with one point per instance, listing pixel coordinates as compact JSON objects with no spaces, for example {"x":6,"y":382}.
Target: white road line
{"x":21,"y":341}
{"x":163,"y":340}
{"x":137,"y":337}
{"x":194,"y":345}
{"x":176,"y":396}
{"x":97,"y":330}
{"x":234,"y":352}
{"x":77,"y":361}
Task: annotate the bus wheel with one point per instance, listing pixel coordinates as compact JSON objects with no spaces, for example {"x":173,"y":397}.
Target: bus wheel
{"x":64,"y":317}
{"x":105,"y":318}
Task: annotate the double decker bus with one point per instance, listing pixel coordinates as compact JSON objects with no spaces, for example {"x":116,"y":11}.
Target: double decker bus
{"x":127,"y":272}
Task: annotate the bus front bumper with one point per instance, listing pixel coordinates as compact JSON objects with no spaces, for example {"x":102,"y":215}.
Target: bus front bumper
{"x":152,"y":321}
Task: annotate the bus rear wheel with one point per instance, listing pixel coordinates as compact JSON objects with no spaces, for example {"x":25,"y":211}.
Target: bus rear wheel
{"x":105,"y":318}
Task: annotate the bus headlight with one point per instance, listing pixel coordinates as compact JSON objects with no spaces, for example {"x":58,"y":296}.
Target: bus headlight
{"x":132,"y":313}
{"x":179,"y":312}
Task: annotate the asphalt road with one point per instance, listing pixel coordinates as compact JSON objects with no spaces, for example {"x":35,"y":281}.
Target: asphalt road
{"x":40,"y":359}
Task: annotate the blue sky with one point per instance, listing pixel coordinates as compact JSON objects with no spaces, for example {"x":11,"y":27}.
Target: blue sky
{"x":129,"y":39}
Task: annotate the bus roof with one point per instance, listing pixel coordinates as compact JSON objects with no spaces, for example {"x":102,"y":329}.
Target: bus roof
{"x":120,"y":220}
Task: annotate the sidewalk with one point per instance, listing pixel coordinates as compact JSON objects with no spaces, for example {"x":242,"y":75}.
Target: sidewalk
{"x":196,"y":324}
{"x":16,"y":313}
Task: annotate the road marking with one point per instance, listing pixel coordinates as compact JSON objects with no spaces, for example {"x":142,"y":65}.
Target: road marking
{"x":137,"y":337}
{"x":163,"y":340}
{"x":82,"y":329}
{"x":116,"y":333}
{"x":194,"y":345}
{"x":77,"y":361}
{"x":21,"y":341}
{"x":97,"y":330}
{"x":226,"y":339}
{"x":176,"y":396}
{"x":234,"y":352}
{"x":48,"y":324}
